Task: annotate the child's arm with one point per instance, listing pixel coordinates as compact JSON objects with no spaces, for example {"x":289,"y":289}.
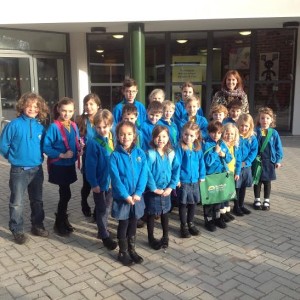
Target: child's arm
{"x":6,"y":140}
{"x":278,"y":150}
{"x":92,"y":159}
{"x":202,"y":169}
{"x":143,"y":176}
{"x":253,"y":151}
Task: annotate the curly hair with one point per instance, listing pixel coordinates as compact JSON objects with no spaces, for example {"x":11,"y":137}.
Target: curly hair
{"x":266,"y":111}
{"x":28,"y":97}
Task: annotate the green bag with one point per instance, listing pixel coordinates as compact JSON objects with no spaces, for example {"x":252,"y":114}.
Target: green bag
{"x":218,"y":188}
{"x":256,"y":167}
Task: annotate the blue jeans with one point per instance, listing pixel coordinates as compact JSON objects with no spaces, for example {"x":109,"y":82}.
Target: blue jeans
{"x":103,"y":202}
{"x":19,"y":181}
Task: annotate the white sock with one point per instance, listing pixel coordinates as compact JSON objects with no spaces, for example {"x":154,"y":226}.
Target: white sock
{"x":257,"y":202}
{"x":266,"y":202}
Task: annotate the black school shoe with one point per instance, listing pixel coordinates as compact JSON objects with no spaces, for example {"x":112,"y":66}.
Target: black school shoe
{"x":210,"y":226}
{"x":109,"y":243}
{"x":220,"y":223}
{"x":39,"y":231}
{"x":225,"y":218}
{"x":20,"y":238}
{"x":229,"y":216}
{"x":238,"y":212}
{"x":193,"y":230}
{"x":245,"y":210}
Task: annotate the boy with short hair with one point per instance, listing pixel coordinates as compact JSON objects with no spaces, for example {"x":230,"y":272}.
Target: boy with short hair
{"x":130,"y":113}
{"x":167,"y":120}
{"x":130,"y":90}
{"x":218,"y":112}
{"x":234,"y":111}
{"x":154,"y":114}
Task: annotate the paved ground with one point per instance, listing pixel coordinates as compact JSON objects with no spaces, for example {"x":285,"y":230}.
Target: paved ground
{"x":256,"y":257}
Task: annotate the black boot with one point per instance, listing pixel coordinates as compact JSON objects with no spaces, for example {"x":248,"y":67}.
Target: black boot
{"x":154,"y":243}
{"x":123,"y":256}
{"x":184,"y":231}
{"x":60,"y":226}
{"x":68,"y":225}
{"x":131,"y":249}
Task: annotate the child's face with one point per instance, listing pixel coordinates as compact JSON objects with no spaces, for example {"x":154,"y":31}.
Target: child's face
{"x":126,"y":136}
{"x":31,"y":110}
{"x":158,"y":97}
{"x":234,"y":113}
{"x":265,"y":121}
{"x":231,"y":82}
{"x":66,"y":111}
{"x":161,"y":140}
{"x":186,"y":93}
{"x":130,"y":93}
{"x":129,"y":117}
{"x":244,"y":128}
{"x":189,"y":136}
{"x":91,"y":108}
{"x":153,"y":117}
{"x":229,"y":136}
{"x":168,"y":113}
{"x":215,"y":136}
{"x":103,"y":128}
{"x":218,"y":116}
{"x":192,"y":108}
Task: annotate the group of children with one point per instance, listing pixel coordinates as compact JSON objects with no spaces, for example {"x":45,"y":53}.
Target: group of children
{"x":133,"y":159}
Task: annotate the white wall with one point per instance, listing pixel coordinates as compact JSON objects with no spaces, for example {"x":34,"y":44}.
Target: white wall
{"x":79,"y":69}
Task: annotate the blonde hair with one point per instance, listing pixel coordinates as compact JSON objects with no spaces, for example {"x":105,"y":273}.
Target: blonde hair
{"x":218,"y":108}
{"x":192,"y":98}
{"x":246,"y":118}
{"x":231,"y":126}
{"x":267,"y":111}
{"x":168,"y":103}
{"x":103,"y":115}
{"x":154,"y":93}
{"x":194,"y":127}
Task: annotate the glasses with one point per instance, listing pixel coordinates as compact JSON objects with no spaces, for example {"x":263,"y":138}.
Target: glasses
{"x":130,"y":92}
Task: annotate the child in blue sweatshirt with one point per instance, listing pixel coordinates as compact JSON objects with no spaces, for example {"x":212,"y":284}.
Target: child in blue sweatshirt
{"x":154,"y":114}
{"x":163,"y":178}
{"x":20,"y":144}
{"x":214,"y":151}
{"x":63,"y":149}
{"x":129,"y":173}
{"x":192,"y":171}
{"x":97,"y":173}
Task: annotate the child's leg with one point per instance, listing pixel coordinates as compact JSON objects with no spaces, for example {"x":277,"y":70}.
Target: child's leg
{"x":241,"y":200}
{"x":153,"y":242}
{"x":164,"y":218}
{"x":229,"y":216}
{"x":217,"y":216}
{"x":208,"y":217}
{"x":123,"y":256}
{"x":61,"y":222}
{"x":223,"y":212}
{"x":102,"y":206}
{"x":267,"y":192}
{"x":85,"y":191}
{"x":131,"y":235}
{"x":184,"y":231}
{"x":191,"y":208}
{"x":236,"y":207}
{"x":257,"y":190}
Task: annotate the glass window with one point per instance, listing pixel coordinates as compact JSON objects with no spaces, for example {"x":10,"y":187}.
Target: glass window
{"x":32,"y":40}
{"x":188,"y":61}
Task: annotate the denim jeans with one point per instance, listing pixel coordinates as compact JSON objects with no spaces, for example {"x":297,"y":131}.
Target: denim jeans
{"x":103,"y":202}
{"x":19,"y":181}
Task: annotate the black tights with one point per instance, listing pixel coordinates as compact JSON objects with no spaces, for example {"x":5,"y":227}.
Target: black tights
{"x":85,"y":191}
{"x":164,"y":219}
{"x":126,"y":228}
{"x":186,"y":213}
{"x":267,"y":189}
{"x":64,"y":198}
{"x":241,"y":193}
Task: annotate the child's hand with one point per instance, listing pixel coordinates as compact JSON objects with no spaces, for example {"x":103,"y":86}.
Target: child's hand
{"x":218,"y":148}
{"x":278,"y":165}
{"x":96,"y":189}
{"x":179,"y":184}
{"x":129,"y":200}
{"x":136,"y":198}
{"x":166,"y":192}
{"x":236,"y":177}
{"x":158,"y":191}
{"x":68,"y":154}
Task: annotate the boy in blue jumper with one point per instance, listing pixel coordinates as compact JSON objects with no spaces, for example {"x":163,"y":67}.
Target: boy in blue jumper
{"x":20,"y":144}
{"x":234,"y":111}
{"x":130,"y":90}
{"x":154,"y":114}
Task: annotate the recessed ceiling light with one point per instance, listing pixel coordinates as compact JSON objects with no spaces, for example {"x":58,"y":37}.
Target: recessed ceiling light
{"x":245,"y":32}
{"x":99,"y":50}
{"x":118,"y":36}
{"x":181,"y":41}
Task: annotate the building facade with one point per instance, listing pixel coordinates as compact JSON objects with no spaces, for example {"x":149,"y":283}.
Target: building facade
{"x":80,"y":55}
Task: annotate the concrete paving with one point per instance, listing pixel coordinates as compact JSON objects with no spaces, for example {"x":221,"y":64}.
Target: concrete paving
{"x":256,"y":257}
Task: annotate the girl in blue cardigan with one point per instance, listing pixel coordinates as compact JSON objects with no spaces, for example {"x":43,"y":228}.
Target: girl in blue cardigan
{"x":129,"y":172}
{"x":163,"y":178}
{"x":271,"y":156}
{"x":192,"y":171}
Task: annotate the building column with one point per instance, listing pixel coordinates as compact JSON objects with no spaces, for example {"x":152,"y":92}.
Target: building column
{"x":137,"y":57}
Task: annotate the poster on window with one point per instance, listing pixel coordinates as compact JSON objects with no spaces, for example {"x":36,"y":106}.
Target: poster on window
{"x":239,"y":58}
{"x":268,"y":66}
